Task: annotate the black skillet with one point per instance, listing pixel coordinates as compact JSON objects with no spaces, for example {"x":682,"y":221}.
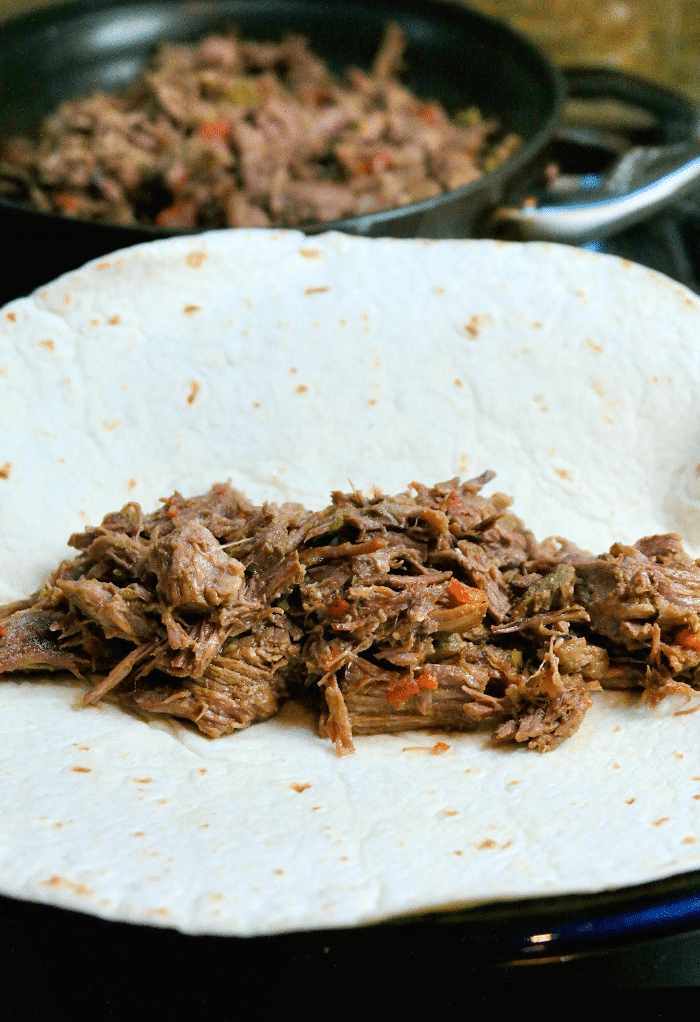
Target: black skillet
{"x":455,"y":55}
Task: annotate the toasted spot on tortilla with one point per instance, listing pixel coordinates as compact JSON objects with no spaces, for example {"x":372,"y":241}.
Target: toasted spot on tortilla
{"x":5,"y":470}
{"x":564,"y":474}
{"x":114,"y":320}
{"x":202,"y":770}
{"x":580,"y":294}
{"x":678,"y":755}
{"x":536,"y":324}
{"x":131,"y":484}
{"x":629,"y":801}
{"x":314,"y":808}
{"x":439,"y":748}
{"x":438,"y":290}
{"x":310,"y":253}
{"x":159,"y":912}
{"x":103,"y":265}
{"x":81,"y":770}
{"x":142,"y":780}
{"x":3,"y":370}
{"x":662,"y":819}
{"x":488,"y":843}
{"x":12,"y":316}
{"x":510,"y":783}
{"x":688,"y":840}
{"x":195,"y":259}
{"x":526,"y":351}
{"x":341,"y":322}
{"x":189,"y":309}
{"x":594,"y":346}
{"x":139,"y":833}
{"x":598,"y":388}
{"x":67,"y":297}
{"x":110,"y":425}
{"x":301,"y":389}
{"x":299,"y":787}
{"x":60,"y":883}
{"x":616,"y":766}
{"x":279,"y":872}
{"x":475,"y":324}
{"x":627,"y":263}
{"x":294,"y":369}
{"x":696,"y":796}
{"x":315,"y":290}
{"x":84,"y":748}
{"x":256,"y":404}
{"x":194,"y":390}
{"x":450,"y":812}
{"x":48,"y":344}
{"x":458,"y":382}
{"x":372,"y":401}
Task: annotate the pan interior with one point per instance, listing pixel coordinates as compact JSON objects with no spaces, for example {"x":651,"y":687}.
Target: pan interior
{"x":454,"y":55}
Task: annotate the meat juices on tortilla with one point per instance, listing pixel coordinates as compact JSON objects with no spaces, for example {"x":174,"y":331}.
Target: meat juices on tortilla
{"x":290,"y":365}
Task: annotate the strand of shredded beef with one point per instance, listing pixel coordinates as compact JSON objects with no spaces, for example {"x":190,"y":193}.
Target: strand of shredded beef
{"x":435,"y":608}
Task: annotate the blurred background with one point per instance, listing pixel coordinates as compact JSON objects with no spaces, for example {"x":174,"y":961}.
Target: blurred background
{"x":659,"y":39}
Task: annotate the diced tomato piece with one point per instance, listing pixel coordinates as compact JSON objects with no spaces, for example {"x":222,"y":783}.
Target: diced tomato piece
{"x":430,"y":113}
{"x":465,"y":595}
{"x":215,"y":131}
{"x":377,"y":163}
{"x":687,"y":639}
{"x":180,"y":214}
{"x":398,"y":695}
{"x":67,"y":203}
{"x":338,"y":608}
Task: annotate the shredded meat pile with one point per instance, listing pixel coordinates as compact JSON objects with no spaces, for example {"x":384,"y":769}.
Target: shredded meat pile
{"x":228,"y":133}
{"x":435,"y":608}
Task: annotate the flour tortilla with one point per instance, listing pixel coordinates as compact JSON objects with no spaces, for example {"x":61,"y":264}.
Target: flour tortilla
{"x":292,"y":365}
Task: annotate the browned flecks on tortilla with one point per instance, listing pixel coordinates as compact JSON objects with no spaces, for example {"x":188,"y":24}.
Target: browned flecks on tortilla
{"x":432,"y":609}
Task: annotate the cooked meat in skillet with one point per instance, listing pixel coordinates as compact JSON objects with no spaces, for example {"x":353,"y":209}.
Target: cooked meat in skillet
{"x":229,"y":133}
{"x":435,"y":608}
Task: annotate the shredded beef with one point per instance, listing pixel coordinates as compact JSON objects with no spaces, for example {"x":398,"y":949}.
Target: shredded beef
{"x":434,"y":608}
{"x":229,"y":133}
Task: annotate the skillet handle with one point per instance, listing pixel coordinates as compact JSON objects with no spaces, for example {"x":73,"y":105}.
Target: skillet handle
{"x":669,"y":172}
{"x":643,"y":181}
